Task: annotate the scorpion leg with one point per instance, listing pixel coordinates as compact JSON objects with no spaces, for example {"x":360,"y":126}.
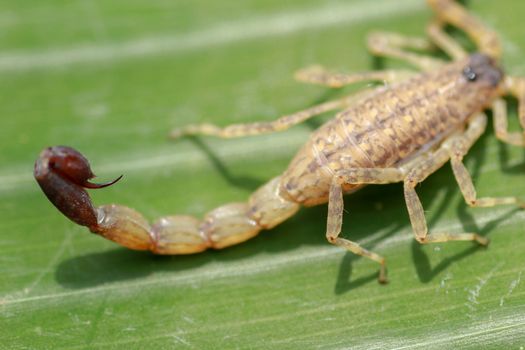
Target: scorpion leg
{"x":426,"y":167}
{"x":395,"y":45}
{"x":410,"y":174}
{"x":516,"y":87}
{"x":450,"y":11}
{"x":499,"y":108}
{"x":321,"y":76}
{"x":257,"y":128}
{"x":440,"y":38}
{"x":459,"y":148}
{"x":336,"y":206}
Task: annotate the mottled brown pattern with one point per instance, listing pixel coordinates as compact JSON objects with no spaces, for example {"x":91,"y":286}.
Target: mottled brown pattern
{"x":393,"y":125}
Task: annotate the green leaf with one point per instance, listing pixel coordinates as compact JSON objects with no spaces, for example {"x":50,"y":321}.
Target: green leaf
{"x":110,"y":78}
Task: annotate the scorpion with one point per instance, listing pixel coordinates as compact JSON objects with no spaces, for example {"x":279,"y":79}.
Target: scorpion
{"x":400,"y":131}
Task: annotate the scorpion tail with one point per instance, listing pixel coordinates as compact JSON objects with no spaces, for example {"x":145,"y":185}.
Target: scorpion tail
{"x":63,"y":175}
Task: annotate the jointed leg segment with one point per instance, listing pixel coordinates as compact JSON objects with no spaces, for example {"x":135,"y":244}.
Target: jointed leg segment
{"x":321,"y":76}
{"x":501,"y":125}
{"x":469,"y":192}
{"x":257,"y":128}
{"x":313,"y":75}
{"x":459,"y":148}
{"x":395,"y":45}
{"x":448,"y":12}
{"x":515,"y":87}
{"x":417,"y":175}
{"x":444,"y":41}
{"x":451,"y":12}
{"x":336,"y":206}
{"x":415,"y":209}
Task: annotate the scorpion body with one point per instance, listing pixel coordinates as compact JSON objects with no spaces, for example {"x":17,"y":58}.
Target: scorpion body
{"x":401,"y":131}
{"x":397,"y":123}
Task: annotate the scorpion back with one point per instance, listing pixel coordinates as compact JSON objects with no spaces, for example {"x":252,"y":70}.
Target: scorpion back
{"x":397,"y":123}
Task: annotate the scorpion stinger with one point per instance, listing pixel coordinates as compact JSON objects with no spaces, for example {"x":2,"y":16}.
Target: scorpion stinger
{"x":63,"y":173}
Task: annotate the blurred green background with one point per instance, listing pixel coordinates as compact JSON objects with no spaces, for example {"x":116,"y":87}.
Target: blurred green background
{"x":111,"y":77}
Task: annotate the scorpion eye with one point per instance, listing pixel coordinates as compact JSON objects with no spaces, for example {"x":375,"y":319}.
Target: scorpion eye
{"x":469,"y":73}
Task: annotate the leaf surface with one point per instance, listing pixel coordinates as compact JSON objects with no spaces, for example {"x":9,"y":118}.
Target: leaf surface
{"x":111,"y":77}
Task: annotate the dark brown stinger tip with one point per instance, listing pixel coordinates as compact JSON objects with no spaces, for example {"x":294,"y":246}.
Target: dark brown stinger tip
{"x":62,"y":172}
{"x":92,"y":185}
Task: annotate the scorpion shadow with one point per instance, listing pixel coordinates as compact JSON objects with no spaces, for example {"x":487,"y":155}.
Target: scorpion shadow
{"x":307,"y":228}
{"x":119,"y":264}
{"x":244,"y":182}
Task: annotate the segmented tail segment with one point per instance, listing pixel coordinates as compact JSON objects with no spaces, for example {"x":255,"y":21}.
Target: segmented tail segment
{"x":56,"y":171}
{"x":224,"y":226}
{"x":486,"y":40}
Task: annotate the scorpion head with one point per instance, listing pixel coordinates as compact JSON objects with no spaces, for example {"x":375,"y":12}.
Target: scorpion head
{"x":63,"y":173}
{"x":482,"y":69}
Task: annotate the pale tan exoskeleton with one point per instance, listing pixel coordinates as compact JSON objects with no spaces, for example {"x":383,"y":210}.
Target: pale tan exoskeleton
{"x":400,"y":132}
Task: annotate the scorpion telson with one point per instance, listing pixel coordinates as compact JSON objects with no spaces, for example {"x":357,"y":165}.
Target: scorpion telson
{"x":401,"y":131}
{"x":62,"y":174}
